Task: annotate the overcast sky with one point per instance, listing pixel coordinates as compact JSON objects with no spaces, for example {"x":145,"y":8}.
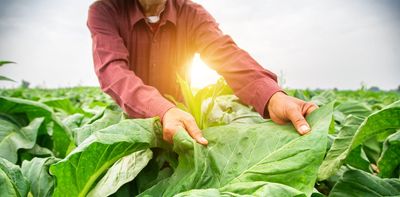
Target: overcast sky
{"x":312,"y":43}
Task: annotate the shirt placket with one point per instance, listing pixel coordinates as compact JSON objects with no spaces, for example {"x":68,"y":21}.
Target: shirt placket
{"x":154,"y":55}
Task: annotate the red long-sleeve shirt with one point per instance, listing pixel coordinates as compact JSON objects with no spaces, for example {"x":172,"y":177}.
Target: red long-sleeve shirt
{"x":136,"y":66}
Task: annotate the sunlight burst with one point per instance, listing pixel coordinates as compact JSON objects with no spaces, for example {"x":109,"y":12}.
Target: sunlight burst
{"x":201,"y":75}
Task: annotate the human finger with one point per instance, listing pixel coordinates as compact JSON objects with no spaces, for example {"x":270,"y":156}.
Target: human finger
{"x":194,"y":131}
{"x":298,"y":121}
{"x":308,"y":108}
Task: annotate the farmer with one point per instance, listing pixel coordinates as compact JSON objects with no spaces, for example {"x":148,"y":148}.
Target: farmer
{"x":140,"y":45}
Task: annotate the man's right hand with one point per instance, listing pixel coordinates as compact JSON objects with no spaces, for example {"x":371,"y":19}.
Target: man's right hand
{"x":174,"y":119}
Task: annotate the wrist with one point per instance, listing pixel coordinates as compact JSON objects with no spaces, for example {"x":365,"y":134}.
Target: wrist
{"x":165,"y":114}
{"x":271,"y":102}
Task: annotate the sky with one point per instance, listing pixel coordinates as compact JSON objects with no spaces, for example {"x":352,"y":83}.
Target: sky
{"x":308,"y":43}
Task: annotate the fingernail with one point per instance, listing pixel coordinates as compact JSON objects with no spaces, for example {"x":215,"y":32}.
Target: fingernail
{"x":203,"y":140}
{"x":304,"y":129}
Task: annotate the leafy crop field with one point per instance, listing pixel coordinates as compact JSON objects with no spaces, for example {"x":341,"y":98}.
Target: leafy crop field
{"x":77,"y":142}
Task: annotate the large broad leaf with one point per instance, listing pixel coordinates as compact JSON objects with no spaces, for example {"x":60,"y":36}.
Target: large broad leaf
{"x":358,"y":159}
{"x":387,"y":118}
{"x":37,"y":171}
{"x":61,"y":134}
{"x":228,"y":109}
{"x":73,"y":121}
{"x":123,"y":171}
{"x":108,"y":118}
{"x":36,"y":151}
{"x":160,"y":167}
{"x":78,"y":173}
{"x":335,"y":157}
{"x":64,"y":105}
{"x":390,"y":158}
{"x":359,"y":183}
{"x":239,"y":153}
{"x":12,"y":138}
{"x":257,"y":188}
{"x":12,"y":182}
{"x":324,"y":98}
{"x":354,"y":108}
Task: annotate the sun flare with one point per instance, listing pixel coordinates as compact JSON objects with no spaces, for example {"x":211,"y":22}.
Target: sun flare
{"x":201,"y":75}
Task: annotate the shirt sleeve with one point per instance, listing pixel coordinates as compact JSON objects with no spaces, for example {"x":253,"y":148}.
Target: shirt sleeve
{"x":110,"y":57}
{"x":253,"y":84}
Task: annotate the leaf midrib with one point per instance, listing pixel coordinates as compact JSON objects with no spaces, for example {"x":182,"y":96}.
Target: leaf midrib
{"x":268,"y":156}
{"x":99,"y":172}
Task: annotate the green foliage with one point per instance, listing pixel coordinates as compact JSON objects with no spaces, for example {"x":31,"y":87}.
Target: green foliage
{"x":3,"y":78}
{"x":358,"y":183}
{"x":13,"y":137}
{"x":13,"y":183}
{"x":256,"y":188}
{"x":24,"y":111}
{"x":78,"y":172}
{"x":257,"y":152}
{"x":37,"y":172}
{"x":77,"y":142}
{"x":193,"y":102}
{"x":347,"y":139}
{"x":389,"y":160}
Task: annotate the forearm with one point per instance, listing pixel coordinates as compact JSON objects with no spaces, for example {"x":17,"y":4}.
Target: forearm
{"x":135,"y":98}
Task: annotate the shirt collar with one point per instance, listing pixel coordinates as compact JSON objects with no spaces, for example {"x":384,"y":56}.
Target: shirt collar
{"x":169,"y":14}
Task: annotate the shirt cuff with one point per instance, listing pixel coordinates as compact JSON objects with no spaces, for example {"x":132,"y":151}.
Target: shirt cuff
{"x":158,"y":107}
{"x":258,"y":93}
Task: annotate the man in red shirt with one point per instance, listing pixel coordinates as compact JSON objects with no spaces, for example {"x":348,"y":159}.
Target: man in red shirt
{"x":140,"y":45}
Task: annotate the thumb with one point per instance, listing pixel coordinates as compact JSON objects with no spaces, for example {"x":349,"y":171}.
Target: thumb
{"x":297,"y":118}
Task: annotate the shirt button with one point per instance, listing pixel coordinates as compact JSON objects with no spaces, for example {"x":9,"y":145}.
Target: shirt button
{"x":153,"y":65}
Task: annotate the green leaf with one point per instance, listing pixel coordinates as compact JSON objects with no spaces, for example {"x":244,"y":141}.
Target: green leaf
{"x":257,"y":188}
{"x":61,"y":134}
{"x":189,"y":100}
{"x":73,"y":121}
{"x":78,"y":173}
{"x":64,"y":105}
{"x":12,"y":182}
{"x":390,"y":157}
{"x":160,"y":167}
{"x":239,"y":153}
{"x":359,"y":183}
{"x":2,"y":63}
{"x":123,"y":171}
{"x":108,"y":118}
{"x":334,"y":158}
{"x":3,"y":78}
{"x":387,"y":118}
{"x":324,"y":98}
{"x":37,"y":171}
{"x":354,"y":108}
{"x":193,"y":103}
{"x":36,"y":151}
{"x":228,"y":109}
{"x":13,"y":138}
{"x":302,"y":94}
{"x":358,"y":159}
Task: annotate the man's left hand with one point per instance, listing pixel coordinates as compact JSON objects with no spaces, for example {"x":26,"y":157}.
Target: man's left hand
{"x":283,"y":108}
